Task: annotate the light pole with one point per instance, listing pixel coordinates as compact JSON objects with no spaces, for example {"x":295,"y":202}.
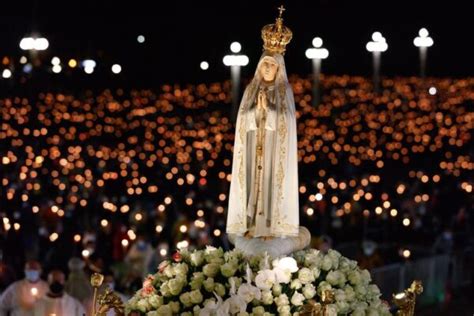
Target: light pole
{"x":317,"y":54}
{"x":235,"y":61}
{"x":423,"y":41}
{"x":376,"y":47}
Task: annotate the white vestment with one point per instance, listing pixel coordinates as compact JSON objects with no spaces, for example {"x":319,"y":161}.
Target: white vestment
{"x":265,"y":198}
{"x":65,"y":305}
{"x":20,"y":297}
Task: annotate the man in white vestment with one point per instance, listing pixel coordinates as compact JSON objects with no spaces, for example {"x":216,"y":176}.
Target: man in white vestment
{"x":56,"y":302}
{"x":20,"y":297}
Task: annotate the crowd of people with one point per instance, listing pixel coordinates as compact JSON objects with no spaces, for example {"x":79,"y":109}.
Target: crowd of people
{"x":119,"y":180}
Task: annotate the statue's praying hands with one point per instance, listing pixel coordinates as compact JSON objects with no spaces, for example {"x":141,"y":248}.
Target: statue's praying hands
{"x":262,"y":100}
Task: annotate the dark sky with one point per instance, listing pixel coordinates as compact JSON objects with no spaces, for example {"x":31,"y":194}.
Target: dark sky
{"x":179,"y":34}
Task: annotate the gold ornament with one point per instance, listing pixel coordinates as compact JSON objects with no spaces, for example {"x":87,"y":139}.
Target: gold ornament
{"x":313,"y":308}
{"x":276,"y":36}
{"x":406,"y":300}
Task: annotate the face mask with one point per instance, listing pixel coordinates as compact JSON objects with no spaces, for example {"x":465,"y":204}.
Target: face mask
{"x":56,"y":288}
{"x":32,"y":275}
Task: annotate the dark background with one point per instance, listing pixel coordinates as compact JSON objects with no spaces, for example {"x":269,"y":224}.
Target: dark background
{"x":180,"y":34}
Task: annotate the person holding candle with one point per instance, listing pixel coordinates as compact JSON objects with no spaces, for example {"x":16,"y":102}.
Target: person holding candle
{"x":20,"y":297}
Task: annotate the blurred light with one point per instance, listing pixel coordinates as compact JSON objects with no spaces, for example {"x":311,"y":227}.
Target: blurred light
{"x":310,"y":211}
{"x":319,"y":53}
{"x":378,"y":43}
{"x":55,"y":61}
{"x":88,"y":70}
{"x":141,"y":39}
{"x":204,"y":65}
{"x":86,"y":253}
{"x":319,"y":196}
{"x":317,"y":42}
{"x":163,"y":252}
{"x":57,"y":69}
{"x":423,"y":40}
{"x":235,"y":47}
{"x":406,"y":222}
{"x":34,"y":291}
{"x":23,"y":60}
{"x":116,"y":68}
{"x":104,"y":223}
{"x":183,"y":228}
{"x":77,"y":238}
{"x":217,"y":232}
{"x":159,"y":228}
{"x":124,"y":243}
{"x":393,"y":212}
{"x":432,"y":91}
{"x":6,"y":73}
{"x":236,"y":60}
{"x":406,"y":253}
{"x":72,"y":63}
{"x":53,"y":237}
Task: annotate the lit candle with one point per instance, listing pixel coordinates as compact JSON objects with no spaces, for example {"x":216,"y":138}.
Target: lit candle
{"x":34,"y":291}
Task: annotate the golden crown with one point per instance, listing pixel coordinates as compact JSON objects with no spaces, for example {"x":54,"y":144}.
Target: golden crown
{"x":276,"y":36}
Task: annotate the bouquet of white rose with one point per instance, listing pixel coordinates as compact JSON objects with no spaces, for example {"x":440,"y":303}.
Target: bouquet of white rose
{"x":214,"y":282}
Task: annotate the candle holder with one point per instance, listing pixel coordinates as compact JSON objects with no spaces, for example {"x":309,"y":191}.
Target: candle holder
{"x":107,"y":300}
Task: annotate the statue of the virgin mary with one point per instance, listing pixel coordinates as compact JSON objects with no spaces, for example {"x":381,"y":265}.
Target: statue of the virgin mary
{"x":263,"y":198}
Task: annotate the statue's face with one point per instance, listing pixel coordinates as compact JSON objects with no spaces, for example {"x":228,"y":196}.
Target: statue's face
{"x":268,"y":68}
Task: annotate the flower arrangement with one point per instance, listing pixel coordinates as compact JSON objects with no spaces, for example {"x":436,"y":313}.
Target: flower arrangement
{"x":213,"y":282}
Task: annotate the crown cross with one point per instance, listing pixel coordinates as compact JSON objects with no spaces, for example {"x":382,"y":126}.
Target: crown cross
{"x":276,"y":36}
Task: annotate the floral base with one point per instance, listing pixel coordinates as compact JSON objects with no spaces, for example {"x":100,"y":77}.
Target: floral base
{"x":214,"y":282}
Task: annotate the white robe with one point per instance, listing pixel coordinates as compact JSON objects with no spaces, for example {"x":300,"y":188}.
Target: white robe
{"x":18,"y":298}
{"x":65,"y":305}
{"x":280,"y":162}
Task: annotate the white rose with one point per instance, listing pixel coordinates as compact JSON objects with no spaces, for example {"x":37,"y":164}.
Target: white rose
{"x":306,"y":276}
{"x":287,"y":263}
{"x":282,"y":300}
{"x":195,"y":297}
{"x":164,"y":310}
{"x":180,"y":269}
{"x":155,"y":301}
{"x":228,"y":269}
{"x":176,"y":285}
{"x":354,"y":277}
{"x":219,"y":289}
{"x":197,"y":258}
{"x":326,"y":263}
{"x":208,"y":284}
{"x":309,"y":291}
{"x":276,"y":289}
{"x":143,"y":305}
{"x":284,"y":310}
{"x":296,"y":284}
{"x":174,"y":307}
{"x":211,"y":269}
{"x":185,"y":298}
{"x":265,"y":279}
{"x":267,"y":297}
{"x":336,"y":278}
{"x":282,"y":276}
{"x":316,"y":272}
{"x":258,"y":311}
{"x":297,"y":299}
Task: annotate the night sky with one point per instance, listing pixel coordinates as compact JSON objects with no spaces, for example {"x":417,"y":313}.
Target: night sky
{"x":180,"y":34}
